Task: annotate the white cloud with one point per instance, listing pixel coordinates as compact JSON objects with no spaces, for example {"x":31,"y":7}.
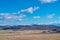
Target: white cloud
{"x":12,"y":17}
{"x":18,"y":12}
{"x":59,"y":21}
{"x":47,"y":1}
{"x":50,"y":22}
{"x":51,"y":16}
{"x":36,"y":17}
{"x":59,"y":17}
{"x":40,"y":23}
{"x":19,"y":17}
{"x":2,"y":14}
{"x":53,"y":22}
{"x":43,"y":23}
{"x":30,"y":9}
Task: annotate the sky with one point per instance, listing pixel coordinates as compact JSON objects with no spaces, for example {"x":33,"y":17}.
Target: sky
{"x":27,"y":12}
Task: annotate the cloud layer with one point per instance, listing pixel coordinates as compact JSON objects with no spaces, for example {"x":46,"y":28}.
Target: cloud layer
{"x":11,"y":17}
{"x":47,"y":1}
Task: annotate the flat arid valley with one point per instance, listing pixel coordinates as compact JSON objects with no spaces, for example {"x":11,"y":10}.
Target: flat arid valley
{"x":28,"y":35}
{"x":29,"y":19}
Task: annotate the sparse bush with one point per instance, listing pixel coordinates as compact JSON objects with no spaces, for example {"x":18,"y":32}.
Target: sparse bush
{"x":58,"y":31}
{"x":43,"y":31}
{"x":54,"y":29}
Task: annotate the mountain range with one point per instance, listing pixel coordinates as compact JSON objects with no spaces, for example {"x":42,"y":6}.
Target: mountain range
{"x":29,"y":27}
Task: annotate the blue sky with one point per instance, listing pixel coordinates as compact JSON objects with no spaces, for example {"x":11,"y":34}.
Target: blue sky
{"x":21,"y":12}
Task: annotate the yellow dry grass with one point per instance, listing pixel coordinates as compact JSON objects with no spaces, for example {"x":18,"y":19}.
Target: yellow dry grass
{"x":19,"y":35}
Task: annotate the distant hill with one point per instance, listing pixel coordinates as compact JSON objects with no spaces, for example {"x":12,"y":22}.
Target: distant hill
{"x":29,"y":27}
